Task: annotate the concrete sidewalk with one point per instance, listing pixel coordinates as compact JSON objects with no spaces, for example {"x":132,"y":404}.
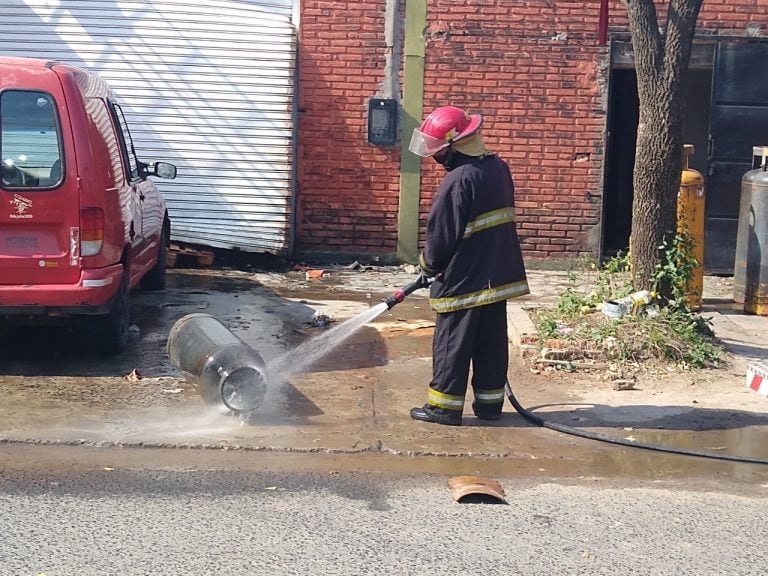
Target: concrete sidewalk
{"x":356,"y":399}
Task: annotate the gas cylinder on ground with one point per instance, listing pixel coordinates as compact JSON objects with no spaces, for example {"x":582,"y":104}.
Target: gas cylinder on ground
{"x":224,"y":369}
{"x":690,"y":222}
{"x":750,"y":271}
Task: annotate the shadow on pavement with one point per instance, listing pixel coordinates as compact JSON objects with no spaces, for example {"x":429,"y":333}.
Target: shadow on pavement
{"x":262,"y":317}
{"x":743,"y":349}
{"x":650,"y":417}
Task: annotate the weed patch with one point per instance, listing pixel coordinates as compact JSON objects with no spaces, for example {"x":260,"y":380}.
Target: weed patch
{"x":663,"y":331}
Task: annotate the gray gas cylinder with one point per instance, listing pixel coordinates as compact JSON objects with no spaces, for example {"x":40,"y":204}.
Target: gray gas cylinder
{"x":750,"y":277}
{"x":224,"y":369}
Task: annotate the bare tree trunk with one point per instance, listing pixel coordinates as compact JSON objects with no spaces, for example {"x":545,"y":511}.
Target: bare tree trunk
{"x":661,"y":61}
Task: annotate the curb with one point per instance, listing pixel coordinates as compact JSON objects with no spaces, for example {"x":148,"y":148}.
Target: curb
{"x":522,"y":331}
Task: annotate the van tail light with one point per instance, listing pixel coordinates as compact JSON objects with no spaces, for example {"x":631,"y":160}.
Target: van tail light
{"x":91,"y":231}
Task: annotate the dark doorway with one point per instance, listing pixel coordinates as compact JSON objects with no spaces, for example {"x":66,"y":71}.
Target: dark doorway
{"x":739,"y":121}
{"x":623,"y":111}
{"x":623,"y":115}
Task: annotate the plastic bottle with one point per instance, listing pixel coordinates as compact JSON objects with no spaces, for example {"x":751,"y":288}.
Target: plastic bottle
{"x":629,"y":304}
{"x":640,"y":298}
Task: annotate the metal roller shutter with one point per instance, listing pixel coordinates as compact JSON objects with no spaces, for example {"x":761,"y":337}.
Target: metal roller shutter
{"x":207,"y":85}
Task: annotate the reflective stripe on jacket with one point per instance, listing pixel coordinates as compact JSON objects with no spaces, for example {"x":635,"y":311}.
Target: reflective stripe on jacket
{"x":479,"y":298}
{"x":489,"y":220}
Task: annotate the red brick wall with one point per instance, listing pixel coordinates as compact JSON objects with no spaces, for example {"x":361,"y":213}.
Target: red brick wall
{"x":533,"y":70}
{"x":347,"y":189}
{"x":532,"y":67}
{"x":724,"y":17}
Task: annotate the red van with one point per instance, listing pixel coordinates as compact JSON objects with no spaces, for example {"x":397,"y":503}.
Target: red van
{"x":80,"y":222}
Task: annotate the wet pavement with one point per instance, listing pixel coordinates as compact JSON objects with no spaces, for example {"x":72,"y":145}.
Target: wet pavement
{"x":354,"y":402}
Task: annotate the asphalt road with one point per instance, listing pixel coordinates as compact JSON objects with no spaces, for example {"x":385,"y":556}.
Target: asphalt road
{"x":164,"y":517}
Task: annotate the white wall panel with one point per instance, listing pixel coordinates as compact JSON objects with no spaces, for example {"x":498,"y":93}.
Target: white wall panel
{"x":207,"y":85}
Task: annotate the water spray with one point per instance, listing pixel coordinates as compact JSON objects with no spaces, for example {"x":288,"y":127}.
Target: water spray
{"x":227,"y":371}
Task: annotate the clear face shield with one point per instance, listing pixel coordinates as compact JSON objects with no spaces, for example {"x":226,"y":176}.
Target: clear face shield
{"x":424,"y":145}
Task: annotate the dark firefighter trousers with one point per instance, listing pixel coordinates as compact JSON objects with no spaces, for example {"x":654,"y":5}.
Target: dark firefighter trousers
{"x":476,"y":336}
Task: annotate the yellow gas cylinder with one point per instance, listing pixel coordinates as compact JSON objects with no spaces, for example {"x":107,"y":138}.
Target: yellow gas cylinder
{"x":690,"y":221}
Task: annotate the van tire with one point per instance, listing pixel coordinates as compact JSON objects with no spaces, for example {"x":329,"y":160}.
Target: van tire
{"x":155,"y":278}
{"x":112,"y":329}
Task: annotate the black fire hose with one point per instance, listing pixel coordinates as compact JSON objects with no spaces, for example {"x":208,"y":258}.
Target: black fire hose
{"x":422,"y":281}
{"x":539,"y":421}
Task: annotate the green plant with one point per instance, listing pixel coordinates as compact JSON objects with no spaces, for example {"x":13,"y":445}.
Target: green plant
{"x":674,"y":272}
{"x":546,"y":326}
{"x":572,"y":301}
{"x":614,"y":280}
{"x":686,"y":338}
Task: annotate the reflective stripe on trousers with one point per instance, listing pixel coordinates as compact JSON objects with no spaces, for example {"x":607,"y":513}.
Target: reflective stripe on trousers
{"x":445,"y":401}
{"x":490,"y":396}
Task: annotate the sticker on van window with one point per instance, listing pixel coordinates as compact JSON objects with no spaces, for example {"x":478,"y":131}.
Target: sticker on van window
{"x":21,"y":205}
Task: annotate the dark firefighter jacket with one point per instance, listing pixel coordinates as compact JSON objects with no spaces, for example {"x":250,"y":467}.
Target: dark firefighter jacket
{"x":471,"y":242}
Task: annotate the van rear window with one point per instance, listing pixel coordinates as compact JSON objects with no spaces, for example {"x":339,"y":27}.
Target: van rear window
{"x":30,"y":141}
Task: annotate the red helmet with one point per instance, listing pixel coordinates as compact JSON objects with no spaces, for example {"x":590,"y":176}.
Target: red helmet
{"x":442,"y":127}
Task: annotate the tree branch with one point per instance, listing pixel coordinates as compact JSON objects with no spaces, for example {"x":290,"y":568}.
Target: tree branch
{"x":647,"y":41}
{"x":681,"y":27}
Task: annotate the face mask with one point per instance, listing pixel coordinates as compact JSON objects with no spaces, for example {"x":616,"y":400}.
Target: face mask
{"x":445,"y":157}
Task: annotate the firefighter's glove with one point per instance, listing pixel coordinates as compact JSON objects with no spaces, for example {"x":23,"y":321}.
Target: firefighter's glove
{"x":424,"y":279}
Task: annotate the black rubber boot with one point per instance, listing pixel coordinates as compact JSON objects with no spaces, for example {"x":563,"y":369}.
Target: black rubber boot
{"x":486,"y":412}
{"x":426,"y":414}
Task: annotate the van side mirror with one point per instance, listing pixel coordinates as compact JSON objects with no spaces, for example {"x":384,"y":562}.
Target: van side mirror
{"x":164,"y":170}
{"x":160,"y":169}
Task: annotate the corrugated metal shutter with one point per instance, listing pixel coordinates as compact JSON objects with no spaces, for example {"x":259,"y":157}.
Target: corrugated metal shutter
{"x":205,"y":84}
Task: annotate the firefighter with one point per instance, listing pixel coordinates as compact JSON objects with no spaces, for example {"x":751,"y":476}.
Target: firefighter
{"x":473,"y":252}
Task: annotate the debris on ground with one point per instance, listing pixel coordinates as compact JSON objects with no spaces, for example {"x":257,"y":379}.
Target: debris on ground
{"x":620,"y":385}
{"x":655,"y":327}
{"x":314,"y":274}
{"x":464,"y":487}
{"x":320,"y":320}
{"x":134,"y":376}
{"x":633,"y":304}
{"x":666,"y":338}
{"x":204,"y":257}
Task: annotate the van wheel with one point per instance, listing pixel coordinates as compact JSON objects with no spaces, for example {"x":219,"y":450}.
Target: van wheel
{"x":112,"y":329}
{"x":155,"y":278}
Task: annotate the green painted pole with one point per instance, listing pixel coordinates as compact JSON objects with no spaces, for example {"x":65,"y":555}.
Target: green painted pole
{"x":413,"y":109}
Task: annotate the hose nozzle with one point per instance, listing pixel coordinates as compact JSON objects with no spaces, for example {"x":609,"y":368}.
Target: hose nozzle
{"x":422,"y":281}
